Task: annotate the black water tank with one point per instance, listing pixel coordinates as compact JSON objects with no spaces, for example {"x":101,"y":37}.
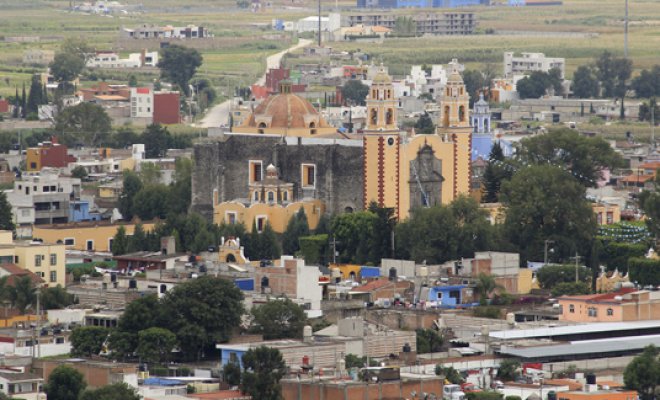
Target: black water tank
{"x":264,"y":282}
{"x":552,"y":395}
{"x":591,"y":379}
{"x":392,"y":275}
{"x":406,"y":348}
{"x":113,"y":277}
{"x":132,"y":284}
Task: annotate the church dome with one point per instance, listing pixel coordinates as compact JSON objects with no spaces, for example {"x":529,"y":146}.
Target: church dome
{"x":382,"y":77}
{"x":285,"y":110}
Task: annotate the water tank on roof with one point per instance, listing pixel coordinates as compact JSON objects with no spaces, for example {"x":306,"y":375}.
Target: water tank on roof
{"x":132,"y":284}
{"x":307,"y":334}
{"x":552,"y":395}
{"x":510,"y":318}
{"x":424,"y":271}
{"x":392,"y":274}
{"x":113,"y":277}
{"x":591,"y":379}
{"x":407,"y":348}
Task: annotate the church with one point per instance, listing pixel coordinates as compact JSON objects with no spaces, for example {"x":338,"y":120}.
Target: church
{"x":285,"y":156}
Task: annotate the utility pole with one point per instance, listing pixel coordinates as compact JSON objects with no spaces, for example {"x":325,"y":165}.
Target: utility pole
{"x":625,"y":33}
{"x":545,"y":251}
{"x":320,"y":21}
{"x":577,"y":267}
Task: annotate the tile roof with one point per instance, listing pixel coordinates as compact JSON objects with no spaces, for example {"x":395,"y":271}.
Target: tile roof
{"x":371,"y":286}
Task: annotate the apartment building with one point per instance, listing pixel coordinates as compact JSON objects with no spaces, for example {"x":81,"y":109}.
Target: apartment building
{"x":427,"y":23}
{"x":528,"y":62}
{"x":47,"y":260}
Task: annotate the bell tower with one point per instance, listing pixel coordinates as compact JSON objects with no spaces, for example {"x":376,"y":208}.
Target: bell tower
{"x":454,"y":126}
{"x":381,"y":144}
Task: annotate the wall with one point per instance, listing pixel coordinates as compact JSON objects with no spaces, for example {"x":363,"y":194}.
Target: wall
{"x":276,"y":214}
{"x":223,"y":165}
{"x":393,"y":390}
{"x":99,"y":233}
{"x":166,"y":108}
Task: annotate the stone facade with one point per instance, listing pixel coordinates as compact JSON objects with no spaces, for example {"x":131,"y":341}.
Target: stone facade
{"x":222,"y":167}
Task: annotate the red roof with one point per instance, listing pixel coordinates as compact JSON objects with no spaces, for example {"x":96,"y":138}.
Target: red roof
{"x":143,"y":90}
{"x":601,"y":296}
{"x":220,"y":395}
{"x":371,"y":286}
{"x":16,"y":272}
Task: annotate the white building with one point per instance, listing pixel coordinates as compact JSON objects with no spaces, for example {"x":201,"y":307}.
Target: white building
{"x":528,"y":62}
{"x":142,"y":103}
{"x":311,"y":24}
{"x":108,"y":59}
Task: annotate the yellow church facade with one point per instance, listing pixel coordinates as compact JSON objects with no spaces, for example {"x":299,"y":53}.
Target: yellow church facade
{"x":405,"y":172}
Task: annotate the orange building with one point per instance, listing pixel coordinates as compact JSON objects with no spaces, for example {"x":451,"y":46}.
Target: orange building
{"x":625,"y":305}
{"x":599,"y":395}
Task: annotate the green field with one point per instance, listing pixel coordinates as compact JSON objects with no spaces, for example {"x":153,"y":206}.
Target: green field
{"x":241,"y":43}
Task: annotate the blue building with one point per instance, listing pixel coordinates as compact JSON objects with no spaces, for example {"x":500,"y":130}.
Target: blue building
{"x":451,"y":296}
{"x":79,"y":211}
{"x":231,"y":354}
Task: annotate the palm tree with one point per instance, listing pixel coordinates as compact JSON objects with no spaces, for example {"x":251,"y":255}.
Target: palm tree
{"x":486,"y":285}
{"x":22,"y":295}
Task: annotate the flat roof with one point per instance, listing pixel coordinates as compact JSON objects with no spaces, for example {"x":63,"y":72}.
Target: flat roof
{"x":572,"y":329}
{"x":600,"y":347}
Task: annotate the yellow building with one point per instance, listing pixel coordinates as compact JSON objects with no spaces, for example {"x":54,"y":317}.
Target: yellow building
{"x":44,"y":259}
{"x":85,"y":236}
{"x":406,"y":172}
{"x":606,"y":214}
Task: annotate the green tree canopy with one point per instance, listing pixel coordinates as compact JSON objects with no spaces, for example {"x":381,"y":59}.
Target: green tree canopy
{"x":264,"y":368}
{"x":428,"y":341}
{"x":155,"y":345}
{"x":550,"y":276}
{"x":178,"y":65}
{"x":87,"y":341}
{"x":278,"y":319}
{"x":355,"y":92}
{"x":6,"y":216}
{"x":537,"y":84}
{"x":120,"y":242}
{"x":508,"y":370}
{"x":424,"y":124}
{"x":296,"y":228}
{"x":85,"y":123}
{"x":56,"y":297}
{"x":116,"y":391}
{"x":22,"y":294}
{"x":585,"y":157}
{"x":613,"y":73}
{"x":66,"y":67}
{"x":202,"y":312}
{"x":157,"y":140}
{"x":585,"y":83}
{"x":496,"y":172}
{"x":647,"y":83}
{"x":79,"y":172}
{"x":131,"y":186}
{"x":64,"y":383}
{"x":545,"y":202}
{"x":643,"y":373}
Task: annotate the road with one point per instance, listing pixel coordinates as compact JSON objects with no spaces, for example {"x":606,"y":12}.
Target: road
{"x":219,"y":114}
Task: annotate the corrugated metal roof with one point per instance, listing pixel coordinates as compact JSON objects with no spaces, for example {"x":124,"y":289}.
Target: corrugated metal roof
{"x":601,"y":347}
{"x":573,"y":329}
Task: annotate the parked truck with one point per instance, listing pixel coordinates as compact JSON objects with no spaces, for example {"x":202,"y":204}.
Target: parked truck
{"x":452,"y":392}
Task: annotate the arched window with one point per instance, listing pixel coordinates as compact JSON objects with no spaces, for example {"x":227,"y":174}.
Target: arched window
{"x":230,"y":258}
{"x":312,"y":127}
{"x":285,"y":196}
{"x":445,"y":119}
{"x":610,"y":312}
{"x":374,"y":116}
{"x":389,"y":117}
{"x":261,"y":127}
{"x":256,"y":195}
{"x":271,"y":197}
{"x":461,"y":113}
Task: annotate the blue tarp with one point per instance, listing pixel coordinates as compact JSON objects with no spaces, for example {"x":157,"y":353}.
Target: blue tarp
{"x":245,"y":284}
{"x":162,"y":382}
{"x":369,"y":272}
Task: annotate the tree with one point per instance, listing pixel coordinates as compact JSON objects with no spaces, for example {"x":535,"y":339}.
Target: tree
{"x":279,"y":319}
{"x":131,"y":186}
{"x":264,"y":368}
{"x":428,"y":341}
{"x":613,"y":73}
{"x":6,"y":216}
{"x":85,"y":123}
{"x":78,"y":47}
{"x":132,"y":81}
{"x":405,"y":26}
{"x":64,"y":383}
{"x":155,"y":345}
{"x":650,"y":112}
{"x":87,"y":341}
{"x":178,"y":65}
{"x":475,"y":82}
{"x":202,"y":312}
{"x":65,"y":68}
{"x":508,"y":370}
{"x":647,"y":83}
{"x":268,"y":244}
{"x":584,"y":157}
{"x":355,"y":92}
{"x":296,"y":228}
{"x":643,"y":373}
{"x":137,"y":241}
{"x":550,"y":276}
{"x":494,"y":174}
{"x":570,"y":288}
{"x":486,"y":285}
{"x":140,"y":314}
{"x":537,"y":84}
{"x":22,"y":294}
{"x":353,"y":361}
{"x":424,"y":125}
{"x":585,"y":83}
{"x":53,"y":298}
{"x":157,"y":140}
{"x":231,"y":373}
{"x":23,"y":103}
{"x":545,"y":202}
{"x":150,"y":173}
{"x":124,"y":137}
{"x":115,"y":391}
{"x":119,"y":242}
{"x":450,"y":373}
{"x":79,"y":172}
{"x":151,"y":202}
{"x":181,"y":188}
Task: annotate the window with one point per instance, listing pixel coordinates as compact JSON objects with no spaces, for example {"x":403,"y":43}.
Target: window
{"x":271,"y":197}
{"x":110,"y":244}
{"x":33,"y":165}
{"x":599,"y":218}
{"x":69,"y":241}
{"x":261,"y":223}
{"x":46,"y":189}
{"x":53,"y":259}
{"x":610,"y":312}
{"x":256,"y":171}
{"x":571,"y":308}
{"x":37,"y":260}
{"x":308,"y":175}
{"x":90,"y":245}
{"x":285,"y":196}
{"x":592,"y":311}
{"x":610,"y":217}
{"x":53,"y":276}
{"x":230,"y":217}
{"x":15,"y":259}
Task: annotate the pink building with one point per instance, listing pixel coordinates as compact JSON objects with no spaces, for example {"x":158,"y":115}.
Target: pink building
{"x":625,"y":305}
